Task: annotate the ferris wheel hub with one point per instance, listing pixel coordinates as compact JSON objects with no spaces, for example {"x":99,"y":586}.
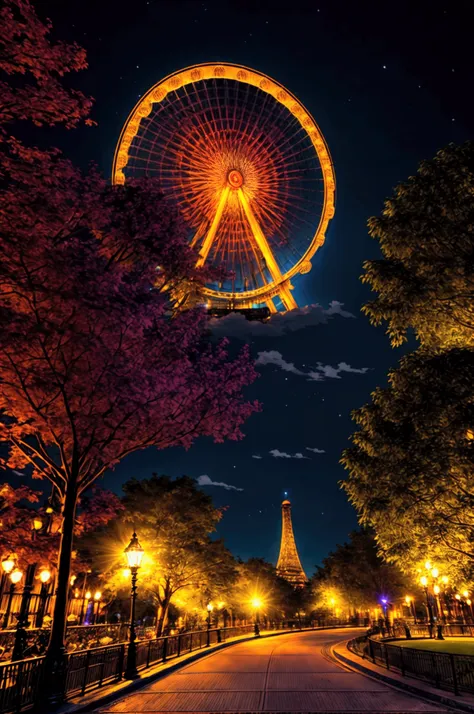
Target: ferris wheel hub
{"x":235,"y":179}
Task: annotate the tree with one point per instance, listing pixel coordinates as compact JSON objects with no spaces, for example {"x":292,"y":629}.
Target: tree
{"x":356,"y":576}
{"x":174,"y":521}
{"x":411,"y":465}
{"x":94,"y":364}
{"x":425,"y":280}
{"x":258,"y":579}
{"x":34,"y":67}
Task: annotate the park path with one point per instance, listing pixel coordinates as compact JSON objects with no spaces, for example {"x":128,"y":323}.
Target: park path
{"x":291,"y":673}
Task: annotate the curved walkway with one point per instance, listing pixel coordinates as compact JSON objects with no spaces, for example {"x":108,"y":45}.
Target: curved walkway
{"x":291,"y":673}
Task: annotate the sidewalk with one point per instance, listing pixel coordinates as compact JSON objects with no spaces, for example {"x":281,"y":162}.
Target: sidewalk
{"x":109,"y":692}
{"x":344,"y":656}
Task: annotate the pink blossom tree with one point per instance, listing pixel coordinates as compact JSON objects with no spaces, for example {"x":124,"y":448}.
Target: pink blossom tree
{"x":95,"y":363}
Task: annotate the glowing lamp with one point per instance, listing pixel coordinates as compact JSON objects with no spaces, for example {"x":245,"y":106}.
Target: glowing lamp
{"x":465,"y":593}
{"x":126,"y":572}
{"x":424,"y":581}
{"x":445,"y":579}
{"x":97,"y":595}
{"x":15,"y":576}
{"x":36,"y":523}
{"x":88,"y":595}
{"x":407,"y":599}
{"x":210,"y":607}
{"x":134,"y":553}
{"x":457,"y":596}
{"x":220,"y":605}
{"x":468,"y":602}
{"x":436,"y":589}
{"x":384,"y":600}
{"x":72,"y":579}
{"x":435,"y":572}
{"x":256,"y":603}
{"x":428,"y":565}
{"x":470,"y":434}
{"x":49,"y":510}
{"x":8,"y":564}
{"x":45,"y":575}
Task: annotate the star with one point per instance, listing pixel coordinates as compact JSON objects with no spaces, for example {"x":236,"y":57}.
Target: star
{"x":384,"y":66}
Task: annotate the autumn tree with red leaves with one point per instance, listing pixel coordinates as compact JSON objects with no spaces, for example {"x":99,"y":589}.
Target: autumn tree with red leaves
{"x":94,"y":364}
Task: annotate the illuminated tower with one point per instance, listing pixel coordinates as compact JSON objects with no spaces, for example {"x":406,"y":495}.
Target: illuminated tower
{"x":289,"y":565}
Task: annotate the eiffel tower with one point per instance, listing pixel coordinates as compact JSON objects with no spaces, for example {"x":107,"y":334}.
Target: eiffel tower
{"x":289,"y":565}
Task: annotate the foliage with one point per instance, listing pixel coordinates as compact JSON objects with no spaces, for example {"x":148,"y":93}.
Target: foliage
{"x":174,"y":520}
{"x":425,"y":280}
{"x":93,"y":364}
{"x":34,"y":67}
{"x":355,"y":576}
{"x":411,"y":465}
{"x":258,"y":579}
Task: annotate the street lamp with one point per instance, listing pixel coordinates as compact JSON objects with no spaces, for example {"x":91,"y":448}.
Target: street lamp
{"x":134,"y":553}
{"x":424,"y":583}
{"x":45,"y":577}
{"x":209,"y":608}
{"x":410,"y":603}
{"x":257,"y":604}
{"x":97,"y":596}
{"x":15,"y":577}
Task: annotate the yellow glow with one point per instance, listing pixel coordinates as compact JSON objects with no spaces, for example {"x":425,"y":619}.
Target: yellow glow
{"x":88,"y":595}
{"x":97,"y":595}
{"x":49,"y":510}
{"x":134,"y":552}
{"x":126,"y":572}
{"x":468,"y":602}
{"x":256,"y":603}
{"x":37,"y":524}
{"x":45,"y":575}
{"x":435,"y":572}
{"x":16,"y":576}
{"x":465,"y":593}
{"x":408,"y":599}
{"x":428,"y":565}
{"x":72,"y":579}
{"x":8,"y":564}
{"x":457,"y":596}
{"x":206,"y":246}
{"x":445,"y":579}
{"x":210,"y":607}
{"x":436,"y":589}
{"x":424,"y":581}
{"x":470,"y":434}
{"x":220,"y":605}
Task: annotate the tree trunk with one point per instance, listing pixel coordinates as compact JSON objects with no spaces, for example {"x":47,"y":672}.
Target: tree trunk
{"x":163,"y":617}
{"x":56,"y":660}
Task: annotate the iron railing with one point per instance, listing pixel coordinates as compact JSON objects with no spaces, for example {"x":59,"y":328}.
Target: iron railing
{"x":20,"y":682}
{"x":453,"y":672}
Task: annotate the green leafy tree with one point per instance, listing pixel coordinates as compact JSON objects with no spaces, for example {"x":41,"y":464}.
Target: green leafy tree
{"x":425,"y":280}
{"x":174,"y":521}
{"x":355,"y":576}
{"x":411,"y":463}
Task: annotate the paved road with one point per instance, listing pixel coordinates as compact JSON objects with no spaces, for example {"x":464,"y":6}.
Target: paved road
{"x":291,"y":673}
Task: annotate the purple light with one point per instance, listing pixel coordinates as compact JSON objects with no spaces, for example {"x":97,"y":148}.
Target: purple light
{"x":384,"y":600}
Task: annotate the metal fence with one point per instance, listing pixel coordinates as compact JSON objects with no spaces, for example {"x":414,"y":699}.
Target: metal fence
{"x":453,"y":672}
{"x":20,"y":682}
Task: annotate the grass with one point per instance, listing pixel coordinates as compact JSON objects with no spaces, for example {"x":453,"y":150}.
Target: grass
{"x":453,"y":645}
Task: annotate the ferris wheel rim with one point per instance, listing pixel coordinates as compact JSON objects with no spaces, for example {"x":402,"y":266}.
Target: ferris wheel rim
{"x":183,"y":77}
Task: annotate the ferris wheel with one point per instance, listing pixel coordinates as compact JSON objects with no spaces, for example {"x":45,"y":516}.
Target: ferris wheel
{"x":249,"y":169}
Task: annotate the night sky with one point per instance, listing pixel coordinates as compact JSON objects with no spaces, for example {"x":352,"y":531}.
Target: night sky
{"x":389,"y":84}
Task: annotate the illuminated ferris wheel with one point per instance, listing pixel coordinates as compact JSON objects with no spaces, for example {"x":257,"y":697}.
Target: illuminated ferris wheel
{"x":249,"y":169}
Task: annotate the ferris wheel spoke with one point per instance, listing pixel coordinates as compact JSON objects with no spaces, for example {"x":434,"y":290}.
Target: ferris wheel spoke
{"x":260,"y":239}
{"x":211,"y":234}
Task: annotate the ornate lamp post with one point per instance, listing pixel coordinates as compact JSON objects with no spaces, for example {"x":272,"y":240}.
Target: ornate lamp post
{"x":134,"y":553}
{"x":97,"y":596}
{"x":20,"y":634}
{"x":45,"y":577}
{"x":15,"y":577}
{"x":410,"y":603}
{"x":424,"y":584}
{"x":209,"y":608}
{"x":257,"y":604}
